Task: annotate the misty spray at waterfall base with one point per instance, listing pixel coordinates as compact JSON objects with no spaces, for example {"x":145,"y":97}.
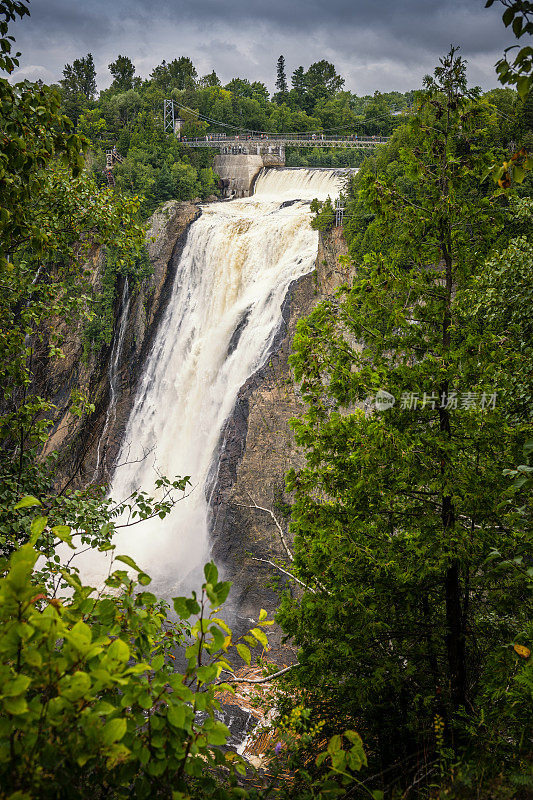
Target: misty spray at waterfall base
{"x":238,"y":262}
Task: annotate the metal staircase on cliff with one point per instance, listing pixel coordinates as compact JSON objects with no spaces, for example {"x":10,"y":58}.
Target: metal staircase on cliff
{"x":112,"y":157}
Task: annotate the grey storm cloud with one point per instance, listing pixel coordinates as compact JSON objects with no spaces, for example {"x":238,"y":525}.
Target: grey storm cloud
{"x":373,"y":43}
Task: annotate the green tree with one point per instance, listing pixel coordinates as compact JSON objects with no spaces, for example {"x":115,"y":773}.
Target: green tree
{"x":80,"y":77}
{"x":123,"y":71}
{"x":321,"y":81}
{"x":298,"y":86}
{"x":52,"y":216}
{"x":378,"y":118}
{"x":210,"y":80}
{"x":176,"y":74}
{"x":281,"y":79}
{"x":399,"y":507}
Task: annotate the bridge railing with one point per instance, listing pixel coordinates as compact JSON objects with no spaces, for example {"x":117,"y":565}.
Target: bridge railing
{"x":216,"y":140}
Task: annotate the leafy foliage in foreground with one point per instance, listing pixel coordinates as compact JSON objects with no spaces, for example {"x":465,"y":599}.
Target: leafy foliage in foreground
{"x":91,"y":703}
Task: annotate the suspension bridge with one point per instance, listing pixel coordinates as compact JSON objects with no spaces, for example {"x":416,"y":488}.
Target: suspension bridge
{"x":248,"y":142}
{"x":258,"y":143}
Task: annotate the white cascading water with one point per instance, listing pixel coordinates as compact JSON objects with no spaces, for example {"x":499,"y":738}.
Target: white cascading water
{"x":238,"y":262}
{"x":116,"y":353}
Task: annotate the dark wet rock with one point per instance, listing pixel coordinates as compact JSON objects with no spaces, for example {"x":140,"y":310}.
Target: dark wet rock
{"x":77,"y":438}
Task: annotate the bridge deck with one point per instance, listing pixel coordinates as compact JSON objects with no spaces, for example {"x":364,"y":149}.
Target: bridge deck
{"x":244,"y":143}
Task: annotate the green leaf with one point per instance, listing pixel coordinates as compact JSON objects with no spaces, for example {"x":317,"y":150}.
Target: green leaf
{"x":118,"y":650}
{"x":507,"y":17}
{"x":218,"y":639}
{"x":211,"y":573}
{"x":62,"y":532}
{"x":73,"y":687}
{"x":145,"y":700}
{"x":37,"y":527}
{"x":129,"y":561}
{"x":217,"y":733}
{"x":225,"y":627}
{"x":158,"y":663}
{"x":207,"y":673}
{"x":182,"y":607}
{"x":260,"y":636}
{"x":104,"y":708}
{"x":27,"y":502}
{"x":244,"y":653}
{"x":114,"y":730}
{"x":16,"y":686}
{"x":222,"y":590}
{"x":523,"y":85}
{"x":15,"y":705}
{"x":176,"y":716}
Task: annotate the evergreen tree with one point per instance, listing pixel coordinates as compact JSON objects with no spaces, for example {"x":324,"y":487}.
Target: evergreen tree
{"x":298,"y":83}
{"x":402,"y":503}
{"x":281,"y":79}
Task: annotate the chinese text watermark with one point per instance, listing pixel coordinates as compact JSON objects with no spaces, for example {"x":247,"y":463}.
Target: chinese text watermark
{"x":411,"y":401}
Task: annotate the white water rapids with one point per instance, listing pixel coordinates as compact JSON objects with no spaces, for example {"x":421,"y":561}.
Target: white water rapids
{"x":237,"y":264}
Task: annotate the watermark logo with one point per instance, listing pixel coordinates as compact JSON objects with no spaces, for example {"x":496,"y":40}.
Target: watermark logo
{"x":412,"y":401}
{"x":384,"y":400}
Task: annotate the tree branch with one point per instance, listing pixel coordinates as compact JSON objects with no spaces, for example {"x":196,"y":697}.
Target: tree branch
{"x":276,"y":523}
{"x":290,"y":575}
{"x":260,"y":680}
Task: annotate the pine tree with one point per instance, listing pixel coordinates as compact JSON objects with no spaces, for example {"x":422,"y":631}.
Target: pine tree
{"x":281,"y":80}
{"x":397,"y":510}
{"x":298,"y":81}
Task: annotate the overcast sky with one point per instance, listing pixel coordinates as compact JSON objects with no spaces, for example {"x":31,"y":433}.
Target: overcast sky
{"x":375,"y":44}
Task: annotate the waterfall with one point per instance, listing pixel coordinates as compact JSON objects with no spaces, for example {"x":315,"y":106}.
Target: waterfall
{"x":114,"y":361}
{"x":237,"y":264}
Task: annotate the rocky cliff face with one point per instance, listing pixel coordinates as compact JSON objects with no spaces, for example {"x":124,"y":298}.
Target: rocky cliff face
{"x":247,"y":493}
{"x":79,"y":439}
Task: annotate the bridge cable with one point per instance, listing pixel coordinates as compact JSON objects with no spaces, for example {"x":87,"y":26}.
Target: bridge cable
{"x":242,"y":129}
